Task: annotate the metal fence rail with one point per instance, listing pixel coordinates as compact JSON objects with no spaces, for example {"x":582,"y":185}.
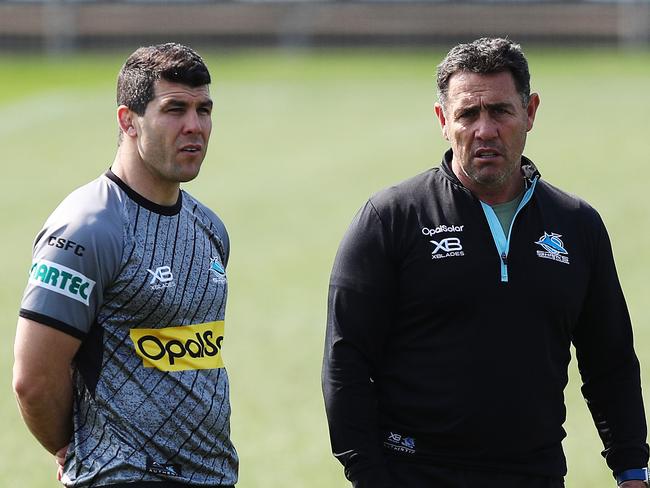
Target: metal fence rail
{"x":58,"y":25}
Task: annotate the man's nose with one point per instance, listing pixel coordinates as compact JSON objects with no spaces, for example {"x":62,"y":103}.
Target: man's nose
{"x":192,"y":122}
{"x":486,"y":127}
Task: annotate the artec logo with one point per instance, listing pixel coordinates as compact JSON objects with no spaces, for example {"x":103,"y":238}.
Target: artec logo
{"x":61,"y":279}
{"x":180,"y":348}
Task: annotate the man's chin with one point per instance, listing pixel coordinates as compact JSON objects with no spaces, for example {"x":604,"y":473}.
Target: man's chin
{"x":188,"y":172}
{"x":488,"y":177}
{"x":492,"y":176}
{"x":184,"y":178}
{"x":490,"y":180}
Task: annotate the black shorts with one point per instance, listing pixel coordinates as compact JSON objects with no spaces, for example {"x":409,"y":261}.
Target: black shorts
{"x":411,"y":475}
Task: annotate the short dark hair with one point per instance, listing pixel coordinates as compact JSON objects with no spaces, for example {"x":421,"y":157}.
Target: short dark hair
{"x":171,"y":61}
{"x":485,"y":56}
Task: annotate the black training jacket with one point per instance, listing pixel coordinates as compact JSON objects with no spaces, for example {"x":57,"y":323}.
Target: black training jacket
{"x":448,"y":343}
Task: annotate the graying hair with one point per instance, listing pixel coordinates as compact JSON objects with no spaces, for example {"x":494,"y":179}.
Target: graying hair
{"x":485,"y":56}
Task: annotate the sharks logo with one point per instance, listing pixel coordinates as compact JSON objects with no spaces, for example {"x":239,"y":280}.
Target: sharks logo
{"x":553,"y":248}
{"x":217,"y":268}
{"x":552,"y":243}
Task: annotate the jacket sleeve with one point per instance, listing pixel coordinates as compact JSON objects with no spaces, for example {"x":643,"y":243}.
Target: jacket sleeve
{"x":359,"y":311}
{"x":608,"y":364}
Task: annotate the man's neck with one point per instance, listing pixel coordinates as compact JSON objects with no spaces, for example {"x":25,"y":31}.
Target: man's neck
{"x":495,"y":196}
{"x":135,"y":174}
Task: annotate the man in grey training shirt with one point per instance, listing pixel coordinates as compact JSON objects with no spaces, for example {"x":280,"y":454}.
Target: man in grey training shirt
{"x":118,"y":355}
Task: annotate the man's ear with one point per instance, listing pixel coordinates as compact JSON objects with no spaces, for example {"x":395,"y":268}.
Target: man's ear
{"x":125,"y":119}
{"x":531,"y":109}
{"x":440,"y":113}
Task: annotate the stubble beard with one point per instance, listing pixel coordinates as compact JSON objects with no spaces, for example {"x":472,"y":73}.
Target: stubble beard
{"x":488,"y":179}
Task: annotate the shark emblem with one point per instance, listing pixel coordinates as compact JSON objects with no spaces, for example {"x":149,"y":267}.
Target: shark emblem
{"x":552,"y":243}
{"x":217,"y":268}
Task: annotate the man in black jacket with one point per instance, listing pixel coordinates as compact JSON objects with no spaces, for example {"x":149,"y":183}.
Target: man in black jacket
{"x":453,"y":302}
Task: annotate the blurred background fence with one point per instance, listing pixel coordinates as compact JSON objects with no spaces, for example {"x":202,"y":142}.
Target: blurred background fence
{"x":66,"y":25}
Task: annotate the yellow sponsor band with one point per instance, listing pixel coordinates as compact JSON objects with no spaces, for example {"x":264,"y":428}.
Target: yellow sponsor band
{"x":180,"y":348}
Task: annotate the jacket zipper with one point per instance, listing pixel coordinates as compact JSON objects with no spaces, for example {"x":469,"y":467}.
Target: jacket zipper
{"x":502,"y":242}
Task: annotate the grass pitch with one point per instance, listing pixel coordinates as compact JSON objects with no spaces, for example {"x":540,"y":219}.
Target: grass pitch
{"x":300,"y":139}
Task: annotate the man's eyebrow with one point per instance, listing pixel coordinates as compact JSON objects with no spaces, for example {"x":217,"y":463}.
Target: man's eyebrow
{"x":499,"y":105}
{"x":466,"y":109}
{"x":176,"y":102}
{"x":476,"y":107}
{"x":173,"y":101}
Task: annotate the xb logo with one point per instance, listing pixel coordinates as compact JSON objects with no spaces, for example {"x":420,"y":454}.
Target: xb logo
{"x":162,"y":274}
{"x":449,"y":244}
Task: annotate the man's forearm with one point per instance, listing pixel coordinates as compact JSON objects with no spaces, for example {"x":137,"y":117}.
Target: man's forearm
{"x":47,"y":411}
{"x":42,"y":381}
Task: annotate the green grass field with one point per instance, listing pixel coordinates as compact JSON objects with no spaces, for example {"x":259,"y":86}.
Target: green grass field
{"x":300,"y":140}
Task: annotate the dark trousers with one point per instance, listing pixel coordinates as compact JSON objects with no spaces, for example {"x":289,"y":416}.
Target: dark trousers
{"x":411,"y":475}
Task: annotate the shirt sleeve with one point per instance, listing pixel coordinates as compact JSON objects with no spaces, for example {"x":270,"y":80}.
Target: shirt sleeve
{"x":609,"y":366}
{"x":359,"y":315}
{"x":75,"y":256}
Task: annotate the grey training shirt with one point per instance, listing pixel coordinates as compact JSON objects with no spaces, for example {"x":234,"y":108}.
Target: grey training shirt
{"x":144,"y":287}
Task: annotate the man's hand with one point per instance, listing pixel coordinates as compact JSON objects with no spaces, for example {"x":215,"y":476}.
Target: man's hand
{"x":60,"y":461}
{"x":633,"y":484}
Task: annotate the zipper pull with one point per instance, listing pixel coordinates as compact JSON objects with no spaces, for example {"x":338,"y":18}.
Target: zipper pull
{"x":504,"y":268}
